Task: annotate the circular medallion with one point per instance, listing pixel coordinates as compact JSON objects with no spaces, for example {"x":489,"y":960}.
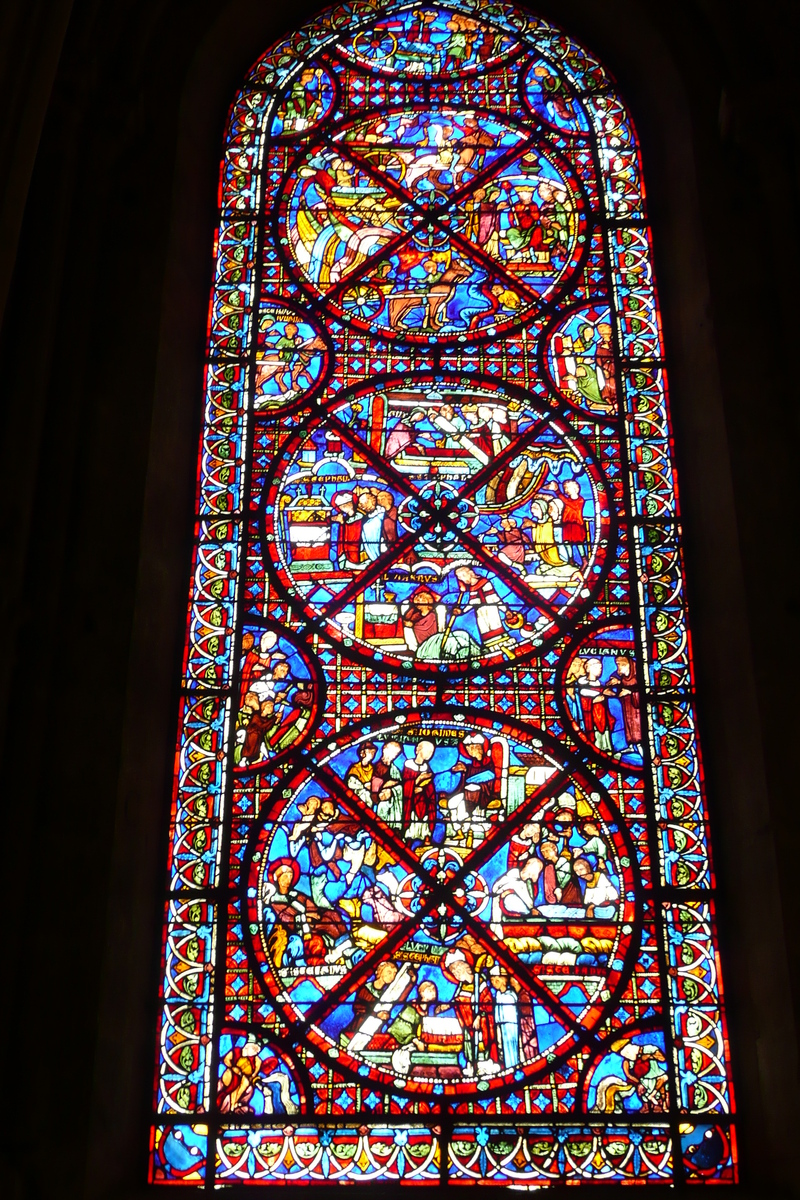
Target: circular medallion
{"x":422,"y":225}
{"x":439,"y":903}
{"x":705,"y":1148}
{"x":437,"y":524}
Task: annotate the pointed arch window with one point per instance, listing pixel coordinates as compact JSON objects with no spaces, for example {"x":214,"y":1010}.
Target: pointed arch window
{"x":440,"y":897}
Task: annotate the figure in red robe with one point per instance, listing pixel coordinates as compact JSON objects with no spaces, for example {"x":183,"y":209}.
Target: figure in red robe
{"x":574,"y":533}
{"x":626,"y":690}
{"x":473,"y":1005}
{"x":419,"y":793}
{"x":347,"y":516}
{"x":420,"y":619}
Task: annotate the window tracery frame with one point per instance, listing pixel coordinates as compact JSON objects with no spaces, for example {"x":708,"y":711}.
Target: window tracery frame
{"x":226,"y":490}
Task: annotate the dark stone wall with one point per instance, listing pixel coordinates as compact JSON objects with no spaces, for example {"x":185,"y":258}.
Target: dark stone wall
{"x":111,"y":119}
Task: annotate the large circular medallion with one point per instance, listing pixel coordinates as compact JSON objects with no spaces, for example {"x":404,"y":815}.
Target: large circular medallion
{"x":438,"y":524}
{"x":441,"y":904}
{"x":425,"y":225}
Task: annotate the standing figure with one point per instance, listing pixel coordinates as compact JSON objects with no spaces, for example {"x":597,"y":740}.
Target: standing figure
{"x":543,"y":535}
{"x":459,"y":44}
{"x":419,"y":794}
{"x":606,"y":367}
{"x":594,"y":704}
{"x":478,"y":592}
{"x":385,"y":501}
{"x":348,"y":547}
{"x":387,"y":786}
{"x":574,"y":534}
{"x":624,"y":685}
{"x":372,"y":543}
{"x":420,"y":618}
{"x":528,"y":1035}
{"x":249,"y":663}
{"x":359,"y":777}
{"x":257,"y":734}
{"x":473,"y":1006}
{"x":525,"y":236}
{"x":575,"y":676}
{"x":486,"y":220}
{"x":547,"y":889}
{"x":506,"y":1017}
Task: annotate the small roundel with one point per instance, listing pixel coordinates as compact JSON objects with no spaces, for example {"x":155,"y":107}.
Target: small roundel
{"x":255,"y":1077}
{"x":705,"y":1148}
{"x":280,"y":694}
{"x":552,"y":100}
{"x":291,"y":357}
{"x":631,"y":1076}
{"x":600,"y":691}
{"x":580,"y":359}
{"x":308,"y":100}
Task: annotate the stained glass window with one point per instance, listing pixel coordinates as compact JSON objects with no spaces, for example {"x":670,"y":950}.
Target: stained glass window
{"x":440,"y":900}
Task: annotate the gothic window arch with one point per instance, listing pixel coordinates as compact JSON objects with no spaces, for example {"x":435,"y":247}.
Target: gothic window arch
{"x":441,"y":901}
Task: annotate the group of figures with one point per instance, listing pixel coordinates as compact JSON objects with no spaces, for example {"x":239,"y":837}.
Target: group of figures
{"x":437,"y":526}
{"x":398,"y":913}
{"x":278,"y":697}
{"x":602,"y":693}
{"x":581,"y":360}
{"x":425,"y":41}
